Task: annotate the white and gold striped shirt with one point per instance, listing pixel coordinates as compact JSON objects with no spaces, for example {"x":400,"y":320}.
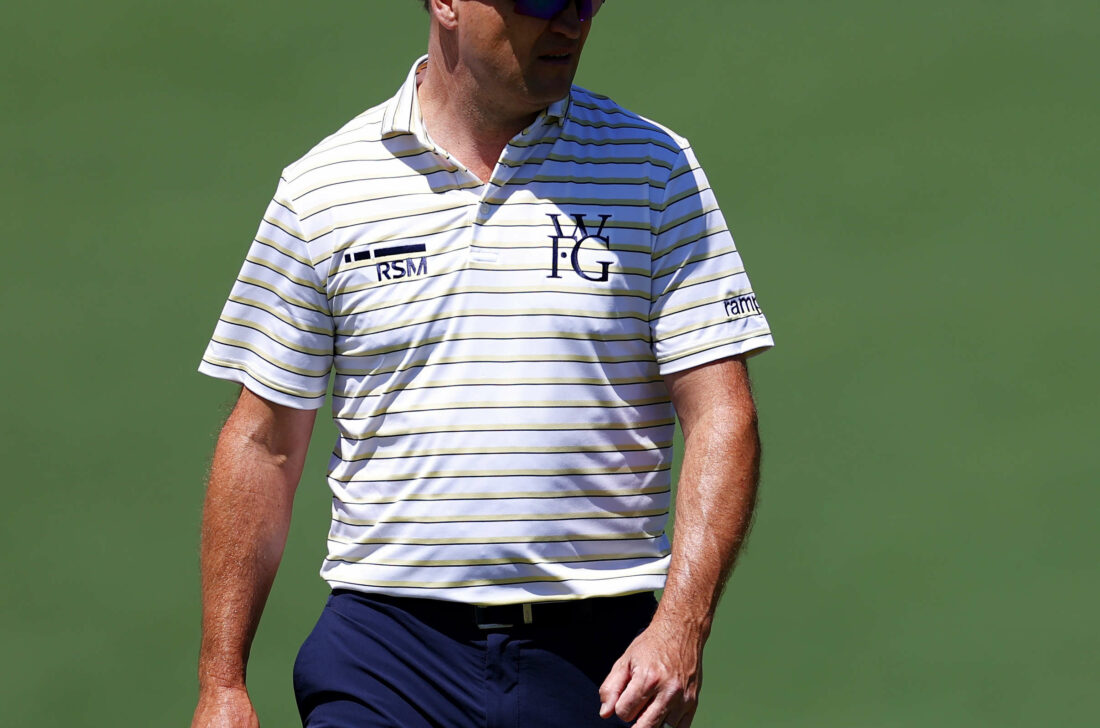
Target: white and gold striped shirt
{"x":505,"y":434}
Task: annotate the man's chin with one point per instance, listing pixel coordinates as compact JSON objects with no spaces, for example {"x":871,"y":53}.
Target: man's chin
{"x":549,"y":90}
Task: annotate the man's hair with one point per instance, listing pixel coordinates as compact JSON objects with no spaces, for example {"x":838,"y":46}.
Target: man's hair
{"x":424,"y":3}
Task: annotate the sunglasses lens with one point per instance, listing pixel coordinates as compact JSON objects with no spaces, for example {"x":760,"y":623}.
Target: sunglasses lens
{"x":544,"y":9}
{"x":549,"y":9}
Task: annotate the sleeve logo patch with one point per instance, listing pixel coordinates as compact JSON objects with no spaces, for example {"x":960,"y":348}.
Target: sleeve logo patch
{"x":741,"y":306}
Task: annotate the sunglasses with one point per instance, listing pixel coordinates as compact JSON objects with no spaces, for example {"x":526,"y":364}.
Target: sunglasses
{"x":549,"y":9}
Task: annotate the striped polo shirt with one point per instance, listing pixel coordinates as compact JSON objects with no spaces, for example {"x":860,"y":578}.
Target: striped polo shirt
{"x":505,"y":434}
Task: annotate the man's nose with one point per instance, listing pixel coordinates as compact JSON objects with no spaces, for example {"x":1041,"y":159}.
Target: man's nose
{"x":567,"y":22}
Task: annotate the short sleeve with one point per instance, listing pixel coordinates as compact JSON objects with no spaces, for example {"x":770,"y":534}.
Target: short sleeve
{"x":702,"y":305}
{"x":275,"y":334}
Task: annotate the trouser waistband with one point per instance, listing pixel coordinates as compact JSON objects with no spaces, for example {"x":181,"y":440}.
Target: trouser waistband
{"x":509,"y":616}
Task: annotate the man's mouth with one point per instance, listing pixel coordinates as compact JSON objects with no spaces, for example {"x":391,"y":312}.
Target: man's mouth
{"x":556,"y":57}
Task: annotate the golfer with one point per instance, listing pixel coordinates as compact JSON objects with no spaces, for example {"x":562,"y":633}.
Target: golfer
{"x":513,"y":287}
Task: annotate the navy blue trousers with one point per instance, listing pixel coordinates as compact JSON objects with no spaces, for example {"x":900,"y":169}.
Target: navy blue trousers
{"x":375,"y":664}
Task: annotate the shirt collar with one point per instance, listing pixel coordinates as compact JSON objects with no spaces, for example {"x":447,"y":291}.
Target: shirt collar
{"x":559,"y":110}
{"x":402,"y":113}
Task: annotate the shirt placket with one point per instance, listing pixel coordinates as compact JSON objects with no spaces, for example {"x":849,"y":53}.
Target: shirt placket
{"x":491,"y":196}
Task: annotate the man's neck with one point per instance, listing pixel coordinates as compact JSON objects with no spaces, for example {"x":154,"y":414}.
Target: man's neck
{"x":460,"y":119}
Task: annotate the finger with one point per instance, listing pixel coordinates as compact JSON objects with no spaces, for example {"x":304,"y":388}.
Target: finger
{"x":637,"y":696}
{"x":613,"y":686}
{"x":656,"y":714}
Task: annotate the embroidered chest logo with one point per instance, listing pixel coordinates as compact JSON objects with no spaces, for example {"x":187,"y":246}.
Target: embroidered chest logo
{"x":398,"y":265}
{"x":581,"y":235}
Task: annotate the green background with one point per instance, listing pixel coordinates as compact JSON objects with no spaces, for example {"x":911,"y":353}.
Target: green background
{"x":914,"y":187}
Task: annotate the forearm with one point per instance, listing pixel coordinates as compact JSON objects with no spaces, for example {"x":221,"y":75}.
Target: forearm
{"x":657,"y":680}
{"x":716,"y":494}
{"x":246,"y":518}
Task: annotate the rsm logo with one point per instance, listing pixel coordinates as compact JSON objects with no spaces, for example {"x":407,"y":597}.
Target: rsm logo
{"x":398,"y":267}
{"x":580,"y":235}
{"x":395,"y":269}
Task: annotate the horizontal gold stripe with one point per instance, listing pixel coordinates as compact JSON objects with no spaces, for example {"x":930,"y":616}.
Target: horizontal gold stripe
{"x":652,"y":128}
{"x":420,"y":191}
{"x":605,"y":337}
{"x":293,"y":346}
{"x":693,"y":260}
{"x":697,"y":325}
{"x":716,"y":344}
{"x":502,"y":518}
{"x":513,"y":473}
{"x":694,"y":281}
{"x":384,"y":157}
{"x":601,"y":160}
{"x":695,"y":214}
{"x":289,"y":320}
{"x":494,"y":404}
{"x":495,"y":582}
{"x":602,"y":202}
{"x":443,"y":429}
{"x":270,"y":384}
{"x":524,"y":450}
{"x":380,"y":180}
{"x":596,"y":141}
{"x":494,"y":312}
{"x":280,"y":225}
{"x":582,"y":180}
{"x":684,"y":194}
{"x":612,"y":226}
{"x":578,"y":559}
{"x":511,"y":495}
{"x":372,"y":307}
{"x":271,"y":288}
{"x":489,"y":382}
{"x":285,"y":274}
{"x":284,"y":250}
{"x":475,"y":540}
{"x":490,"y":358}
{"x":265,"y":356}
{"x":390,"y":215}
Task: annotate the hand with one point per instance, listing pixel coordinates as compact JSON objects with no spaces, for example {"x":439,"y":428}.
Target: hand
{"x":224,"y":707}
{"x":657,"y":679}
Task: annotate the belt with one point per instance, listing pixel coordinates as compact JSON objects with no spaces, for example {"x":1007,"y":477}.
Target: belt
{"x":508,"y":616}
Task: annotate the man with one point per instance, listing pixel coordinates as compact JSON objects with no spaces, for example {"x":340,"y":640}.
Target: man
{"x":515,"y":281}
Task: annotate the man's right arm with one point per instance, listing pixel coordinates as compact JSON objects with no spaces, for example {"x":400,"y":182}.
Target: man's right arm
{"x":246,"y":517}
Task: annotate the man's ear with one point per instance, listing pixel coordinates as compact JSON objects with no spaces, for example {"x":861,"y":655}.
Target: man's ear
{"x":444,"y":12}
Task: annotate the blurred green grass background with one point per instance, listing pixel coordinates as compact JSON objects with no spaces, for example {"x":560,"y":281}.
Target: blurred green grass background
{"x":914,"y":187}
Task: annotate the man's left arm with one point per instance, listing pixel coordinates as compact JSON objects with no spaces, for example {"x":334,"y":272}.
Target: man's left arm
{"x":657,"y":679}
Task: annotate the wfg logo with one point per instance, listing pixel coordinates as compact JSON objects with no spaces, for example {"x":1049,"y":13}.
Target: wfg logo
{"x":579,"y":236}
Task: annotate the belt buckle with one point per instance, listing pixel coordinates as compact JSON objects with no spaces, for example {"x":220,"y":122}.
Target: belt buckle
{"x":528,"y":618}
